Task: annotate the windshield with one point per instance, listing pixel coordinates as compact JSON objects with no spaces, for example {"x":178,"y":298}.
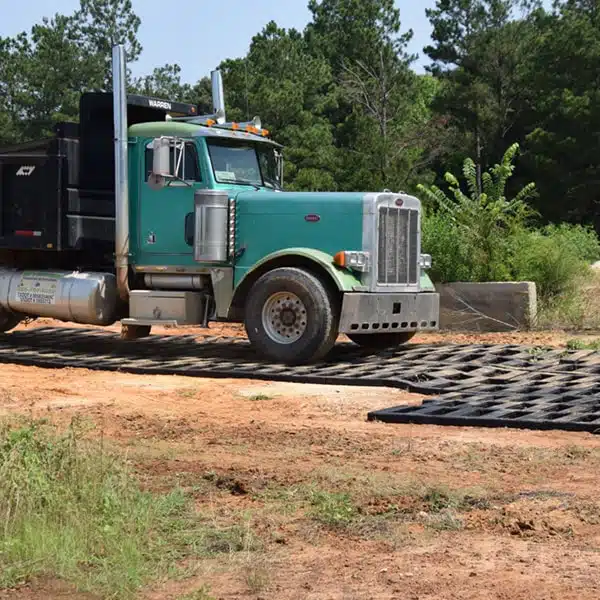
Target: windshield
{"x":245,"y":163}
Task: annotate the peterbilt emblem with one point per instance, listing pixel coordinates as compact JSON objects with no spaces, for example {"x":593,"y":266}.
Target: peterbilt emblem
{"x":25,"y":171}
{"x":312,"y":218}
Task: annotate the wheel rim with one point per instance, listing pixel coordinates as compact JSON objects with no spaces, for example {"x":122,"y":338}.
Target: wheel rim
{"x":284,"y":317}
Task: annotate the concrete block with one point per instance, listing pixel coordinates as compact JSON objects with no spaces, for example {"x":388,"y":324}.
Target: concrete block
{"x":487,"y":307}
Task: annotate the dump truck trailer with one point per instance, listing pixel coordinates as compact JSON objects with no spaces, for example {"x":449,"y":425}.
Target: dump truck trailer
{"x":147,"y":213}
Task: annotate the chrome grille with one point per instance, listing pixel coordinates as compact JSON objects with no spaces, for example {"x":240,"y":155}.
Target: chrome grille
{"x":398,"y":246}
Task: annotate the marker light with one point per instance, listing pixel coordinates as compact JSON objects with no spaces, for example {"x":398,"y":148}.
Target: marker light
{"x":357,"y":261}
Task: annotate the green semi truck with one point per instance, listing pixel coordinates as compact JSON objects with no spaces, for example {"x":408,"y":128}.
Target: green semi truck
{"x":147,"y":213}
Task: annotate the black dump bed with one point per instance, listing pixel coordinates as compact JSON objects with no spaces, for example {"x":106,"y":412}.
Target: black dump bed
{"x":57,"y":194}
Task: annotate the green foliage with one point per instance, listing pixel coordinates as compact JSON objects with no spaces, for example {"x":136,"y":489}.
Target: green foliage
{"x":483,"y":236}
{"x":578,"y":344}
{"x":344,"y":100}
{"x":43,"y":72}
{"x":482,"y":222}
{"x":333,"y":509}
{"x":73,"y":511}
{"x":554,"y":257}
{"x":452,"y":258}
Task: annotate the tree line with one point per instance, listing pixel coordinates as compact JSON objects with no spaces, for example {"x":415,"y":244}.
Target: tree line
{"x":343,"y":96}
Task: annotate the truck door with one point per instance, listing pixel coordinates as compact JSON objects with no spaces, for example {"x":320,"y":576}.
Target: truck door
{"x":164,"y":212}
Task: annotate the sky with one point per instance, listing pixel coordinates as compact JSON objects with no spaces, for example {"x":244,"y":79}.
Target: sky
{"x":197,"y":39}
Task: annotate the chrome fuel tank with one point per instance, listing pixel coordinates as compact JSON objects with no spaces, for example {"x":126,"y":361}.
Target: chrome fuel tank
{"x":87,"y":298}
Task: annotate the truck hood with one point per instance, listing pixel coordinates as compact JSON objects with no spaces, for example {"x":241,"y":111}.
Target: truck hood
{"x":256,"y":202}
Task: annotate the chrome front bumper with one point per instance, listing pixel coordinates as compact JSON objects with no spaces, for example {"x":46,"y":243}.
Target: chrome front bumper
{"x":379,"y":313}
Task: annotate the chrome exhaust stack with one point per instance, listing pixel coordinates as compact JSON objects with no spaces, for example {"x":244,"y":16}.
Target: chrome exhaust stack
{"x":218,"y":95}
{"x":121,"y":171}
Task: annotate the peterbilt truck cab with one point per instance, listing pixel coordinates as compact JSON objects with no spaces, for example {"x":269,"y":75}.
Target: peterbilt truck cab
{"x":150,"y":214}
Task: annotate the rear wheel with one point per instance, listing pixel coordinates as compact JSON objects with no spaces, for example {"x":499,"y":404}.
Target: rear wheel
{"x":8,"y":320}
{"x":291,"y":316}
{"x":381,"y":341}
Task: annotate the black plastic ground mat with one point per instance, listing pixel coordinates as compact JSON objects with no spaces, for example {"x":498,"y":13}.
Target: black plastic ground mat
{"x":483,"y":385}
{"x":569,"y":411}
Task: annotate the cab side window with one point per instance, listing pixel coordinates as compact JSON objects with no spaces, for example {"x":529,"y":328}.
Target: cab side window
{"x":189,"y":169}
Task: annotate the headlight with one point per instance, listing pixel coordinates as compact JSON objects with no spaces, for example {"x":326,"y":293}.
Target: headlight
{"x":349,"y":259}
{"x":425,"y":261}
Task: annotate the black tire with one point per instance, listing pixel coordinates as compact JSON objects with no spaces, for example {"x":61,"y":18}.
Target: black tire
{"x":320,"y":307}
{"x":381,"y":341}
{"x":8,"y":320}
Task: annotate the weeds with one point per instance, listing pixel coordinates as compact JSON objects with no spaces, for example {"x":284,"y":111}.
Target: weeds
{"x":438,"y":499}
{"x":536,"y":353}
{"x":578,"y":344}
{"x":447,"y":520}
{"x":257,"y":577}
{"x":333,"y":509}
{"x":71,"y":510}
{"x":259,"y":397}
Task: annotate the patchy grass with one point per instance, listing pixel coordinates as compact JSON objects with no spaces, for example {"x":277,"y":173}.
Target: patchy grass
{"x":256,"y":576}
{"x":73,"y":511}
{"x":202,"y":593}
{"x":333,"y":509}
{"x":536,"y":353}
{"x":259,"y":397}
{"x":579,"y":344}
{"x":448,"y":520}
{"x":375,"y":507}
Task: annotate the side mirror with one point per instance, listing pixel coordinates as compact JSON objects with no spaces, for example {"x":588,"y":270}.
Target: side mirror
{"x":165,"y":169}
{"x":161,"y":163}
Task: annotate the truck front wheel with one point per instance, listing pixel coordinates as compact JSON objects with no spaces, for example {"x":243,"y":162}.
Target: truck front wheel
{"x":291,"y":316}
{"x":381,"y":341}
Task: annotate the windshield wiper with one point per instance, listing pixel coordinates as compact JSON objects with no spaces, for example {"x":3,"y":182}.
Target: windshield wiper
{"x":243,"y":182}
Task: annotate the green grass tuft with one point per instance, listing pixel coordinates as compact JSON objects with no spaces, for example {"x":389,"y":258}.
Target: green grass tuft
{"x":578,"y":344}
{"x":70,"y":510}
{"x":259,"y":397}
{"x":333,"y":509}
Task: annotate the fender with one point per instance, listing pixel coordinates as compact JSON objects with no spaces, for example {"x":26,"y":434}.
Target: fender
{"x":425,"y":283}
{"x":344,"y":280}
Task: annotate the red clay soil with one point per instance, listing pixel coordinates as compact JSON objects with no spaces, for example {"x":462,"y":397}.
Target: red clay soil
{"x":527,"y":527}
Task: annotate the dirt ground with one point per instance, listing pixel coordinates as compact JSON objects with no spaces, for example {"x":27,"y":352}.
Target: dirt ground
{"x":436,"y":513}
{"x":534,"y":338}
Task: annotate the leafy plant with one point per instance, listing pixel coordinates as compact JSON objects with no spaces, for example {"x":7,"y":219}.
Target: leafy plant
{"x":484,"y":219}
{"x":554,"y":257}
